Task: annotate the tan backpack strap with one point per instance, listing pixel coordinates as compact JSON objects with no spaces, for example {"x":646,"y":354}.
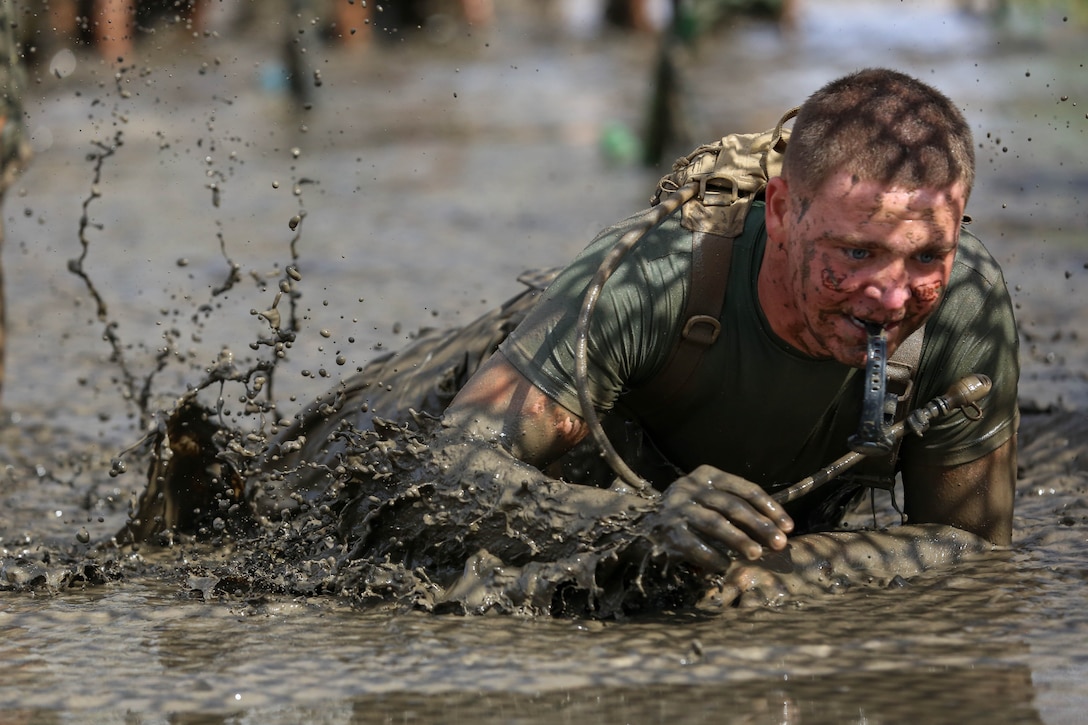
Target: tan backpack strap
{"x":711,"y":256}
{"x":901,"y":368}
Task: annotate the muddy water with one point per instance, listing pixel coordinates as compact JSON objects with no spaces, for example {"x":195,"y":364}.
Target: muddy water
{"x":427,"y":176}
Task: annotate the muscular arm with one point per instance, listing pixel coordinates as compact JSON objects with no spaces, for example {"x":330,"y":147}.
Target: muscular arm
{"x":976,"y":496}
{"x":701,"y":515}
{"x":500,"y":403}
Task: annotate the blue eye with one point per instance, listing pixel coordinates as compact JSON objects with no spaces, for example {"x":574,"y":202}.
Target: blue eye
{"x":927,"y":257}
{"x":857,"y":254}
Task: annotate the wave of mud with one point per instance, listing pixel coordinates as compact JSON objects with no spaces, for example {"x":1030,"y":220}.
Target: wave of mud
{"x":365,"y":495}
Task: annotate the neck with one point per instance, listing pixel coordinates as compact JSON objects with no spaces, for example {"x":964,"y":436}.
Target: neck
{"x":772,"y":285}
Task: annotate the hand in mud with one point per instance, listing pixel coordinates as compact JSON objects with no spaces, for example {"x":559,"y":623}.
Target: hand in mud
{"x":811,"y":565}
{"x":831,"y":562}
{"x":709,"y":513}
{"x":773,"y":580}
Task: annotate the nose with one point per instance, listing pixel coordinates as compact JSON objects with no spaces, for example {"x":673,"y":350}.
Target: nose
{"x":890,"y":288}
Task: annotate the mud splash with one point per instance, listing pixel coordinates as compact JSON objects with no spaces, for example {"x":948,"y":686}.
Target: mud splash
{"x":367,"y":495}
{"x":345,"y":501}
{"x":361,"y":494}
{"x":350,"y":501}
{"x":187,"y":634}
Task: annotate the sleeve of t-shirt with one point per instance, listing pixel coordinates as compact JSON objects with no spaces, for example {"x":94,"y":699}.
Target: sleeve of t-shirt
{"x":631,"y":329}
{"x":974,"y":331}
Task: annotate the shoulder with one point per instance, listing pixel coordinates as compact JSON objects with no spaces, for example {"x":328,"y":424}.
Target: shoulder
{"x":977,"y":300}
{"x":973,"y":331}
{"x":976,"y":287}
{"x":973,"y":260}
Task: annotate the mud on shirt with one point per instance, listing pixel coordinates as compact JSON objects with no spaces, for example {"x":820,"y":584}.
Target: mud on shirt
{"x":760,"y":409}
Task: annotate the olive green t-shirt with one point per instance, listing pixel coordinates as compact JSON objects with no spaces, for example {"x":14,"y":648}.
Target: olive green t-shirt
{"x":761,"y":409}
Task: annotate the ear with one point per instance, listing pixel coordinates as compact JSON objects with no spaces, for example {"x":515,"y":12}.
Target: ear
{"x":777,"y":198}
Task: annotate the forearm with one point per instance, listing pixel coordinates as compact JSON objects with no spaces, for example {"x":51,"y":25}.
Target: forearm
{"x":815,"y":564}
{"x":465,"y":494}
{"x":881,"y":555}
{"x":977,"y":496}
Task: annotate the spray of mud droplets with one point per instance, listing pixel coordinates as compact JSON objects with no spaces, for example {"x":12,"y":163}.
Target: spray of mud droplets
{"x":190,"y":429}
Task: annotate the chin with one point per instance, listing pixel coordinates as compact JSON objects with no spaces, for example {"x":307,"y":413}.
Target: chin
{"x":851,"y":355}
{"x":848,"y":351}
{"x":855,"y":361}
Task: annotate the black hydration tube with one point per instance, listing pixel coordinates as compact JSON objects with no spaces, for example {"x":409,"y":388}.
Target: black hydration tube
{"x":877,"y":411}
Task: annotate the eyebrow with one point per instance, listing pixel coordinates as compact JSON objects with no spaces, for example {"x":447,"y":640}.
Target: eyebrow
{"x":860,"y":242}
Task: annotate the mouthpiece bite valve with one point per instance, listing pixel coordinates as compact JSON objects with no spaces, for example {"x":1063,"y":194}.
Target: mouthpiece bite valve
{"x":873,"y":438}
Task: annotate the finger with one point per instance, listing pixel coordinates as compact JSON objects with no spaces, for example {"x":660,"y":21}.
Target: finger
{"x":761,"y":591}
{"x":722,"y":531}
{"x":759,"y":500}
{"x":765,"y":531}
{"x":773,"y":510}
{"x":716,"y":480}
{"x":678,"y":542}
{"x":718,"y":597}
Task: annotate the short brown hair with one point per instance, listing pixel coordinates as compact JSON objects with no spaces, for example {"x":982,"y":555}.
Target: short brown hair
{"x":880,"y":125}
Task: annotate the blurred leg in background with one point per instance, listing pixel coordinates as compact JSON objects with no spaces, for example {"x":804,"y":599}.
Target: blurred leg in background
{"x":352,"y":18}
{"x":478,"y":13}
{"x":113,"y":24}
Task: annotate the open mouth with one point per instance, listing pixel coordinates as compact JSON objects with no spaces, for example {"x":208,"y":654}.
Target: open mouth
{"x":870,"y":327}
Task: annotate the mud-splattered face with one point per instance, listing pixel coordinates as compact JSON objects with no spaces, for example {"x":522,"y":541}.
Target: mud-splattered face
{"x":855,"y":252}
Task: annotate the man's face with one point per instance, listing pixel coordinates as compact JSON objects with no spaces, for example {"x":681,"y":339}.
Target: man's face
{"x":856,"y":252}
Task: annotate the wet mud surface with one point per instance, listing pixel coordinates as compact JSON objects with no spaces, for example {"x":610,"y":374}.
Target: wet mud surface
{"x":422,"y":182}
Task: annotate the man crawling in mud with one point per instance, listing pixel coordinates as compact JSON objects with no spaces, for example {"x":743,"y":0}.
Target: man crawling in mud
{"x":859,"y":237}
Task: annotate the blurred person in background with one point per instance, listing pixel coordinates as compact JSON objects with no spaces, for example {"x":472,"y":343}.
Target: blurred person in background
{"x":111,"y":26}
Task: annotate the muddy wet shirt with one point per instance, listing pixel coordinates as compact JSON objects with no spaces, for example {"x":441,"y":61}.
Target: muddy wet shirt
{"x":761,"y":409}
